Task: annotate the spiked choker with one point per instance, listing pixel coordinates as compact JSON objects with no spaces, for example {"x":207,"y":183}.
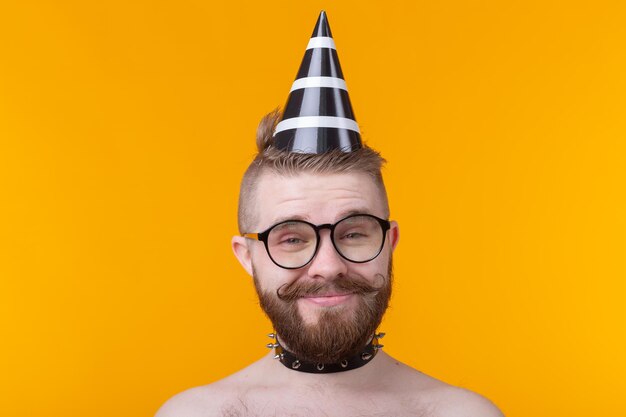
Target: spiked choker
{"x":290,"y":361}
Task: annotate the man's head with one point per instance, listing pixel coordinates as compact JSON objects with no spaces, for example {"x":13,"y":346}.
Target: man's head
{"x":330,"y":307}
{"x":270,"y":160}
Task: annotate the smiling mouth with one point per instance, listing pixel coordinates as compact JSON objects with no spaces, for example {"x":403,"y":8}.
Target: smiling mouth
{"x":328,"y":300}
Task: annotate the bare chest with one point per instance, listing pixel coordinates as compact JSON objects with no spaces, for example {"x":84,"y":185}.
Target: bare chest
{"x":324,"y":405}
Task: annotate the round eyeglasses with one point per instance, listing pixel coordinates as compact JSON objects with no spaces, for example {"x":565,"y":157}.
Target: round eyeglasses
{"x":292,"y":244}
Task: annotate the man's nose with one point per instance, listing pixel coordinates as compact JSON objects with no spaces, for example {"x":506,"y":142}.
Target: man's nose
{"x":327,"y":263}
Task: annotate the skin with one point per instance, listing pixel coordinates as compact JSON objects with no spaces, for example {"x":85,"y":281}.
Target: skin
{"x":383,"y":387}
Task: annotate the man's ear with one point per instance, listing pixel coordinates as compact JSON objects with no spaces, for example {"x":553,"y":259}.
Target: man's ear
{"x":394,"y":234}
{"x":242,"y":252}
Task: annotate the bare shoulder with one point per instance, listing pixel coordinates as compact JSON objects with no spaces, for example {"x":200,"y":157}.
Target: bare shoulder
{"x":450,"y":401}
{"x":189,"y":403}
{"x":220,"y":398}
{"x":440,"y":398}
{"x":204,"y":401}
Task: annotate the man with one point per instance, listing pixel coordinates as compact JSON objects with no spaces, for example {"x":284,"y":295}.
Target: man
{"x":315,"y":237}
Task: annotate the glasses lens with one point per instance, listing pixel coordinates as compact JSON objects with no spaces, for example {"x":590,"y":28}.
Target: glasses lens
{"x":292,"y":244}
{"x":359,"y":238}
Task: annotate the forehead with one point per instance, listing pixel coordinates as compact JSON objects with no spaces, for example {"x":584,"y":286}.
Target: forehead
{"x":318,"y":198}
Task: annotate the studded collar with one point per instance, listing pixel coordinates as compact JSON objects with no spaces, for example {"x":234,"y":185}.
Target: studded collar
{"x":290,"y":361}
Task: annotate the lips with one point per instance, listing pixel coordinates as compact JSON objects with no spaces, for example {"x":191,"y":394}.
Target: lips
{"x":328,"y":300}
{"x":300,"y":289}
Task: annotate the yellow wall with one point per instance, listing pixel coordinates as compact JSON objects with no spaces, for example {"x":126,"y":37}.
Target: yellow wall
{"x":125,"y":127}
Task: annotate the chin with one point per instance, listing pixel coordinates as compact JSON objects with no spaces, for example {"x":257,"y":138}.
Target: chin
{"x":312,"y":318}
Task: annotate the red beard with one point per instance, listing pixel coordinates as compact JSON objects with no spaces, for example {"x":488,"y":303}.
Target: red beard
{"x":336,"y":335}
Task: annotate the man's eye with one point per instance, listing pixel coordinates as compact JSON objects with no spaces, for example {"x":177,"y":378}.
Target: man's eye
{"x":292,"y":241}
{"x":353,"y":235}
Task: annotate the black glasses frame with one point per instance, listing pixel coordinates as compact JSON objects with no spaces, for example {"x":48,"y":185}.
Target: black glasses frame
{"x":262,"y":236}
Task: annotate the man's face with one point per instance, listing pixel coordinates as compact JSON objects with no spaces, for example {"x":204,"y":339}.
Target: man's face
{"x":331,"y":306}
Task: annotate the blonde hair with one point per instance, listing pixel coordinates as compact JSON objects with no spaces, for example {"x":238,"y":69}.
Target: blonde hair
{"x":269,"y":159}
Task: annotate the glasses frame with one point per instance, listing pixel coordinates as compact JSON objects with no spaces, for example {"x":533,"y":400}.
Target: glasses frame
{"x":262,"y":236}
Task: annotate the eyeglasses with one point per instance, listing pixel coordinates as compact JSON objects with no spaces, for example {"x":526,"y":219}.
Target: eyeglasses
{"x":292,"y":244}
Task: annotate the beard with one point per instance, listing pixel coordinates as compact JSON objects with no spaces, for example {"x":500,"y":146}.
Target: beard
{"x":337,"y":334}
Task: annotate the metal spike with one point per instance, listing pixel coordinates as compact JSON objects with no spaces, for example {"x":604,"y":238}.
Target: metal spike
{"x":344,"y":363}
{"x":295,"y":364}
{"x":279,"y":356}
{"x":378,"y":346}
{"x":272,"y":335}
{"x":320,"y":366}
{"x":366,"y":356}
{"x":272,"y":345}
{"x":380,"y":335}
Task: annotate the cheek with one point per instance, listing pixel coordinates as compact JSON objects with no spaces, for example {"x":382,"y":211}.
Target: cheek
{"x":269,"y":276}
{"x":371,"y":269}
{"x":382,"y":262}
{"x":260,"y":260}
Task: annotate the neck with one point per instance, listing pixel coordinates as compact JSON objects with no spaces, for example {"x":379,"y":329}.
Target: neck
{"x":292,"y":362}
{"x":361,"y":378}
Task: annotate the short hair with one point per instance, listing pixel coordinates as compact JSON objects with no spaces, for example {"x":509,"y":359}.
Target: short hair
{"x":269,"y":159}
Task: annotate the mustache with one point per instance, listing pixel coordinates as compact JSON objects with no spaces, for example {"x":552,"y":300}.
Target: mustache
{"x":290,"y":292}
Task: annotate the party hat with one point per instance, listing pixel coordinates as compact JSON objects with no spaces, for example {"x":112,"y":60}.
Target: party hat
{"x":318,"y":116}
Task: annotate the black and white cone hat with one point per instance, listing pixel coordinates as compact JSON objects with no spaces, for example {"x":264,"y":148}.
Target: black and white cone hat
{"x":318,"y":116}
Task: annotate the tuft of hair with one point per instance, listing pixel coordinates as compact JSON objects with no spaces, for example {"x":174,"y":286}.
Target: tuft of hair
{"x":265,"y":131}
{"x":269,"y":159}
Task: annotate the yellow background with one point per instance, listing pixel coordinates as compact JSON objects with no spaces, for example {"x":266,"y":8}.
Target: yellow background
{"x":125,"y":127}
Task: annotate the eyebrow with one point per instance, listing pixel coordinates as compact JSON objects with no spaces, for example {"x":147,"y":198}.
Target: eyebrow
{"x":290,"y":217}
{"x":341,"y":215}
{"x":352,"y":212}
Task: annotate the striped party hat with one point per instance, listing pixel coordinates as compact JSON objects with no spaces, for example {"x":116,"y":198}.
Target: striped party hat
{"x":318,"y":116}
